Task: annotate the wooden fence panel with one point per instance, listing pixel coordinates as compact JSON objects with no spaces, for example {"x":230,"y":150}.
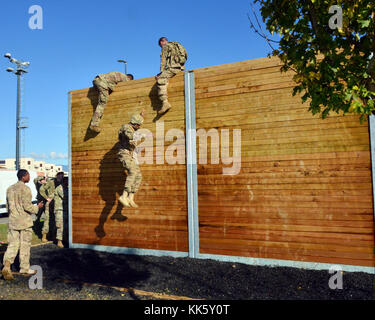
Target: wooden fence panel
{"x":304,"y":190}
{"x":98,"y":178}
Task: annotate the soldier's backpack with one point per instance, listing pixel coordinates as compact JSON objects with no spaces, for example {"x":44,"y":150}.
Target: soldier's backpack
{"x":180,"y":51}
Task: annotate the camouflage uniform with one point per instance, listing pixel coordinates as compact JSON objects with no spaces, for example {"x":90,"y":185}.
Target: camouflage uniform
{"x":128,"y":158}
{"x":39,"y":197}
{"x":172,"y":61}
{"x":60,"y":200}
{"x":38,"y":185}
{"x":47,"y":190}
{"x":20,"y":231}
{"x":105,"y":83}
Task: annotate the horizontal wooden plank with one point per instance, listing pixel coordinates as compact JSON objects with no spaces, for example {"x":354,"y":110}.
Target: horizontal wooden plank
{"x":294,"y":256}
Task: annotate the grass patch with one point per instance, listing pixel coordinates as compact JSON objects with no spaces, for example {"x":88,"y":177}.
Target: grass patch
{"x":36,"y":233}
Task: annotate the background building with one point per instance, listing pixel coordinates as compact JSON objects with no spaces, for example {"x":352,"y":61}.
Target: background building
{"x":49,"y":169}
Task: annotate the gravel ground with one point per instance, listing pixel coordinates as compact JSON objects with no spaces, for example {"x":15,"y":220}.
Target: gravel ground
{"x":65,"y":271}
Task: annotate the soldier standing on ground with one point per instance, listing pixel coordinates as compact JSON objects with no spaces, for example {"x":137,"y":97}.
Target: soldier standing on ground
{"x":60,"y":199}
{"x":172,"y":61}
{"x":47,"y":191}
{"x":128,"y":157}
{"x":20,"y":232}
{"x":105,"y":84}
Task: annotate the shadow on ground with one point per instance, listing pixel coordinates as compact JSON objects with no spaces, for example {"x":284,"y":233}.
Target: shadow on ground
{"x":196,"y":278}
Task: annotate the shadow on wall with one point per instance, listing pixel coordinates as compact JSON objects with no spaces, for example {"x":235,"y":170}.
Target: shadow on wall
{"x":93,"y":96}
{"x":155,"y":101}
{"x":111,"y":182}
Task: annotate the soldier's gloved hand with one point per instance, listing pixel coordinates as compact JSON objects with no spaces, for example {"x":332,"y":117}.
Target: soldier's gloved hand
{"x":40,"y":205}
{"x":49,"y":200}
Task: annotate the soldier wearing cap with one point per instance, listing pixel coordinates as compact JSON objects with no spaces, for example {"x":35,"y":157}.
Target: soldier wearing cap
{"x":105,"y":84}
{"x":127,"y":156}
{"x":172,"y":61}
{"x":61,"y":203}
{"x":47,"y":191}
{"x":39,"y":181}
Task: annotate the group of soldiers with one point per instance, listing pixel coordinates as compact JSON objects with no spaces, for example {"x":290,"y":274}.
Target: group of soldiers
{"x":52,"y":198}
{"x":172,"y":61}
{"x":52,"y":193}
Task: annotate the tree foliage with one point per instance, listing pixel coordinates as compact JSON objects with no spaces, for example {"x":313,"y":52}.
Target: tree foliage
{"x":333,"y":67}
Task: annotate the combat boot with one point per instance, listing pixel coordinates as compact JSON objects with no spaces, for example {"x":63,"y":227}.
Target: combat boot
{"x":7,"y":272}
{"x":124,"y":199}
{"x":131,"y":200}
{"x":44,"y":238}
{"x":60,"y":244}
{"x":95,"y":128}
{"x":165,"y":107}
{"x":29,"y":272}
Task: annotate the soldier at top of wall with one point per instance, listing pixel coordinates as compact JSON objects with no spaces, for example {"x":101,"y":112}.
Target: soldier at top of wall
{"x":128,"y":156}
{"x":172,"y":61}
{"x":105,"y":84}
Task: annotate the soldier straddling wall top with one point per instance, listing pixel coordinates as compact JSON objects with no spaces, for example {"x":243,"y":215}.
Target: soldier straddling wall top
{"x":172,"y":61}
{"x":105,"y":84}
{"x":128,"y":157}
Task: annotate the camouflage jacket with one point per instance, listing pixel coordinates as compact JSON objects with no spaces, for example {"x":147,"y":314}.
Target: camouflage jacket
{"x":173,"y":55}
{"x":38,"y":185}
{"x":127,"y":138}
{"x":20,"y":206}
{"x":47,"y":190}
{"x":61,"y":198}
{"x":113,"y":78}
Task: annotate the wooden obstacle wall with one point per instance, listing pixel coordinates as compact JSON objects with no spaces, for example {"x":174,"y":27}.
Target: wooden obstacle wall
{"x":98,"y":177}
{"x":304,"y":191}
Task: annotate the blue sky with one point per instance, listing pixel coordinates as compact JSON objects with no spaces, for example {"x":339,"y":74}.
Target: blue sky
{"x":83,"y":38}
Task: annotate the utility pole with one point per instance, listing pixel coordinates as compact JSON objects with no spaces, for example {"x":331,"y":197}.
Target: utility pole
{"x":125,"y":62}
{"x":21,"y":69}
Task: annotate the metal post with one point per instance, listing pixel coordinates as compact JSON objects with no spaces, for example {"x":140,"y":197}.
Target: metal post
{"x":21,"y":68}
{"x":191,"y":165}
{"x":19,"y":75}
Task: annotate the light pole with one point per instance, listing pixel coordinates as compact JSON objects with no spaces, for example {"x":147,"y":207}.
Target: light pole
{"x":125,"y":62}
{"x":21,"y":69}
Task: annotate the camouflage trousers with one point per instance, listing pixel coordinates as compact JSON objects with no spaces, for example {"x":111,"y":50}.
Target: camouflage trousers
{"x":47,"y":210}
{"x":60,"y":218}
{"x":19,"y":240}
{"x":163,"y":81}
{"x":104,"y":92}
{"x":134,"y":178}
